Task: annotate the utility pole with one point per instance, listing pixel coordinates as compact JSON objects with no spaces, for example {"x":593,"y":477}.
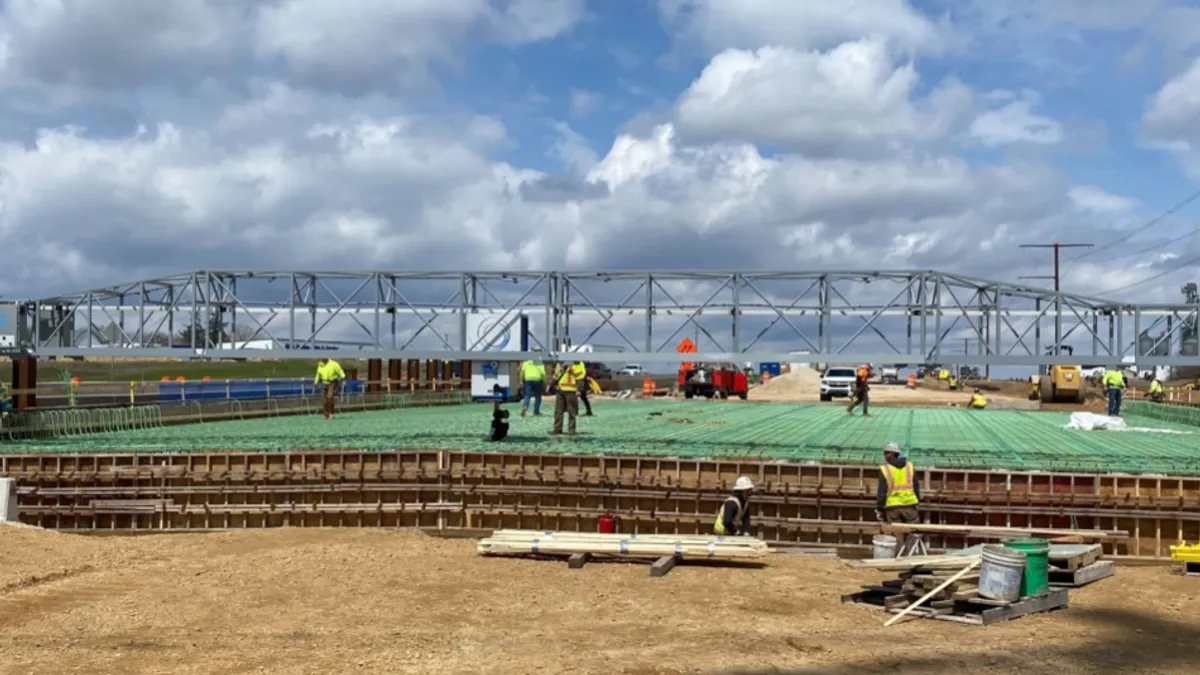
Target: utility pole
{"x":1057,"y":246}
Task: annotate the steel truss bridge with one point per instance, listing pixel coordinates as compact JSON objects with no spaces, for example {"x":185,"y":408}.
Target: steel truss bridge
{"x":903,"y":317}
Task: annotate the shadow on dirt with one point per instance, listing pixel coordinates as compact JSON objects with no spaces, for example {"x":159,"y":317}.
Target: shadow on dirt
{"x":1124,"y":642}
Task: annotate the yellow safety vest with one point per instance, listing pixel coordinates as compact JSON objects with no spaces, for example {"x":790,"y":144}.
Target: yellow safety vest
{"x":1156,"y":387}
{"x":719,"y":525}
{"x":571,"y":376}
{"x":899,"y":485}
{"x":531,"y":371}
{"x":978,"y":401}
{"x":329,"y":372}
{"x":1114,"y":379}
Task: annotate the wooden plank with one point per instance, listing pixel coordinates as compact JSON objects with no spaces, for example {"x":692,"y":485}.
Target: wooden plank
{"x":1073,"y":556}
{"x":1006,"y":532}
{"x":1083,"y":576}
{"x":915,"y":562}
{"x":663,"y":565}
{"x":1055,"y":599}
{"x":578,"y":560}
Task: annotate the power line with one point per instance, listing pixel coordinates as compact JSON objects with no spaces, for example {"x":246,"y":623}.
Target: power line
{"x":1145,"y":226}
{"x":1192,"y":261}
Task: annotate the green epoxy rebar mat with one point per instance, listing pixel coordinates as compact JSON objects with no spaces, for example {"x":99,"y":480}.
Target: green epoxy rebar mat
{"x":942,"y":437}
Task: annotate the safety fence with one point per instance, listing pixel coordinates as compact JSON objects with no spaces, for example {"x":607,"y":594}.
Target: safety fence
{"x":80,"y":422}
{"x":1176,"y":414}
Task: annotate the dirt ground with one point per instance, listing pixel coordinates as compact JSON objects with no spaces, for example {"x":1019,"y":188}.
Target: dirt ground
{"x":804,"y":385}
{"x":374,"y":601}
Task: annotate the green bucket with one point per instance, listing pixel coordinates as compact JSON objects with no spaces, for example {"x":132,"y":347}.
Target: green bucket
{"x":1036,"y":580}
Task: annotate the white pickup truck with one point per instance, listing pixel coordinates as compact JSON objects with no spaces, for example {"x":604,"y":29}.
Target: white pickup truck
{"x":837,"y":381}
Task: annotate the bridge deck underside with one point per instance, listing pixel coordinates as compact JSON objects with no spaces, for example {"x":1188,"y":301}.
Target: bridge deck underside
{"x":830,"y":505}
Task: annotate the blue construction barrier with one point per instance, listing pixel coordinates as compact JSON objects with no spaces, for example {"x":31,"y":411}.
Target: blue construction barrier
{"x":245,"y":389}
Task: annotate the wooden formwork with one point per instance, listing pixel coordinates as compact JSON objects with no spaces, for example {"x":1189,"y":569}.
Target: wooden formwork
{"x":831,"y":505}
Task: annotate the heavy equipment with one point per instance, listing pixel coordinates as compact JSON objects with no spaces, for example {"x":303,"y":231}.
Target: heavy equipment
{"x":1060,"y":384}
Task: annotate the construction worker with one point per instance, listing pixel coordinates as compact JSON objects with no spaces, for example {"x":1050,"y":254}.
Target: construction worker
{"x":733,"y":518}
{"x":5,"y":401}
{"x":331,"y":376}
{"x":862,"y":391}
{"x":533,"y":374}
{"x":566,"y":401}
{"x":978,"y":401}
{"x":1114,"y":386}
{"x":585,"y":390}
{"x":899,"y":493}
{"x":1156,"y":389}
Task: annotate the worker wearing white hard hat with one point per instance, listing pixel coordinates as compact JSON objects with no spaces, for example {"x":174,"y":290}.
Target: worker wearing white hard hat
{"x":733,"y":518}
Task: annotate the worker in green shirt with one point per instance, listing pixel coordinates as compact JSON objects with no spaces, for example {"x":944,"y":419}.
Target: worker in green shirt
{"x":331,"y":375}
{"x":1114,"y":385}
{"x":1156,"y":389}
{"x":533,"y":374}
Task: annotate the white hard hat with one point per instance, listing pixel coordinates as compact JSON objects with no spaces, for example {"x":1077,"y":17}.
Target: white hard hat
{"x":892,"y":447}
{"x":743,"y":483}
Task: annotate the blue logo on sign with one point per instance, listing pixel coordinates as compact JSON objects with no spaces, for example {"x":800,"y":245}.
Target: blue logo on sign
{"x":3,"y":320}
{"x":484,"y":330}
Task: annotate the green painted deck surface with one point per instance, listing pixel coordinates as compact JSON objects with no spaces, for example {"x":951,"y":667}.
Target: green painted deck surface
{"x":942,"y":437}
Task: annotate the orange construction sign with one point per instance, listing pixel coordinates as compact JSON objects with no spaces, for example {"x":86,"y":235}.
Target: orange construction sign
{"x":686,"y":347}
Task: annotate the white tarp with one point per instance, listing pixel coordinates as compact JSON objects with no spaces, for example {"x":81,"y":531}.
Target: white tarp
{"x":1086,"y":421}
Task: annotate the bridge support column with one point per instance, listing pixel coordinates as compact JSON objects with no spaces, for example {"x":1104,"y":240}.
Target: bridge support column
{"x":24,"y":380}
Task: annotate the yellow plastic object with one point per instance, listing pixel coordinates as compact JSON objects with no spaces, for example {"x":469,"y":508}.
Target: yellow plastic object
{"x":594,"y":386}
{"x":1186,"y":552}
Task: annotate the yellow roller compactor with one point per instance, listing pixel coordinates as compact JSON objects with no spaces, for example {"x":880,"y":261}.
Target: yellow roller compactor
{"x":1062,"y":384}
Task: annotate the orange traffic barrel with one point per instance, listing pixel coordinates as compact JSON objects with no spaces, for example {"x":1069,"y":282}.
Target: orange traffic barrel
{"x":181,"y":379}
{"x":166,"y":378}
{"x":206,"y":378}
{"x":648,"y":387}
{"x":912,"y":380}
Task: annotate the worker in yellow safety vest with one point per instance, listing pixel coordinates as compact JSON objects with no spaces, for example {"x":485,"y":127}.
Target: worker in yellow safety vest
{"x":533,"y":374}
{"x":5,"y":401}
{"x":978,"y":400}
{"x":1156,"y":389}
{"x":330,"y":376}
{"x":566,"y":401}
{"x":1114,"y":385}
{"x":733,"y":517}
{"x":899,"y":492}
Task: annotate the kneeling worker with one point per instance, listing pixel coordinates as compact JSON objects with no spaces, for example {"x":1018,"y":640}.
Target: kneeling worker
{"x":734,"y":516}
{"x":978,"y":401}
{"x":898,"y":494}
{"x":1156,"y":389}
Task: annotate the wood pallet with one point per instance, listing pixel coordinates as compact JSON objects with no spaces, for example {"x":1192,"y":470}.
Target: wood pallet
{"x":1070,"y":557}
{"x":957,"y":601}
{"x":1082,"y":576}
{"x":971,"y":612}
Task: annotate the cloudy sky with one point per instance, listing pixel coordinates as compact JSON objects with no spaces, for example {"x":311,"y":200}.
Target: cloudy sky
{"x":142,"y":137}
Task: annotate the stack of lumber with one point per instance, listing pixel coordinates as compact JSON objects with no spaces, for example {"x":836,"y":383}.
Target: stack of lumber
{"x":684,"y":547}
{"x":946,"y":588}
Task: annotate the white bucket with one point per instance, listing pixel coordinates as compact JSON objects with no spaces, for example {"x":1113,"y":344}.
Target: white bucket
{"x":885,"y":546}
{"x":1001,"y":572}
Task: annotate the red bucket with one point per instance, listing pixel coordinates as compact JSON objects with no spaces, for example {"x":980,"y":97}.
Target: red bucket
{"x":608,"y":525}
